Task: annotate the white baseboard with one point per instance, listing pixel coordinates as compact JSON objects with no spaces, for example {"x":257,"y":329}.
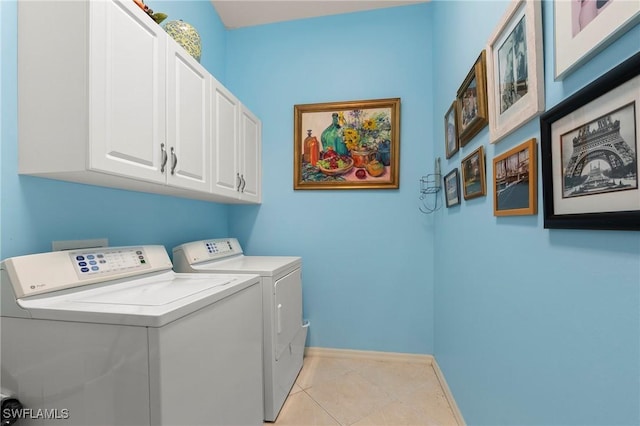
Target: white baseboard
{"x":392,"y":356}
{"x":372,"y":355}
{"x":447,"y":393}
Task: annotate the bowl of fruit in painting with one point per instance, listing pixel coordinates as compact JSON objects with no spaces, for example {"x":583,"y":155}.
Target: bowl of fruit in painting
{"x":333,"y":164}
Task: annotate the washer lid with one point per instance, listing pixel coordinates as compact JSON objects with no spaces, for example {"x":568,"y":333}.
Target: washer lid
{"x":150,"y":301}
{"x":156,"y":293}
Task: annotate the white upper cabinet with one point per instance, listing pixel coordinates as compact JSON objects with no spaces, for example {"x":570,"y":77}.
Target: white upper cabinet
{"x":108,"y":98}
{"x":188,"y":129}
{"x":128,"y":80}
{"x":225,"y":119}
{"x":250,"y":156}
{"x":237,"y":140}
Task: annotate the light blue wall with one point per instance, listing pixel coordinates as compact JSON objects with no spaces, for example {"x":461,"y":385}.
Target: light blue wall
{"x":36,"y":211}
{"x":368,"y":254}
{"x":532,"y":326}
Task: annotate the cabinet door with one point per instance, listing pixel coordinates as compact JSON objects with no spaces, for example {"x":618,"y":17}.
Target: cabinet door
{"x":250,"y":156}
{"x":188,"y":139}
{"x":225,"y":133}
{"x":127,"y":91}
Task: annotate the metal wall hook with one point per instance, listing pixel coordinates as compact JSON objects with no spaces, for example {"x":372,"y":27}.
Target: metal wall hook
{"x":431,"y":184}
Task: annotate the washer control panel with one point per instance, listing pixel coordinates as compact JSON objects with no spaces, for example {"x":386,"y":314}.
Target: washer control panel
{"x":107,"y":261}
{"x":40,"y":273}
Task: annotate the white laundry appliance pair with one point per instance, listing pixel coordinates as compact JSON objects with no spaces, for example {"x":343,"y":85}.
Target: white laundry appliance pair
{"x":284,"y":330}
{"x":113,"y":336}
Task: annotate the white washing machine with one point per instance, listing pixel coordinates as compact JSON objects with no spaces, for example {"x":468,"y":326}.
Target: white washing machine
{"x":113,"y":336}
{"x":284,"y":331}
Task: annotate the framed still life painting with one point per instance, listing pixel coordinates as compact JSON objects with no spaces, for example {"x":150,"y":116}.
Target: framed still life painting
{"x":515,"y":74}
{"x":515,"y":181}
{"x":584,"y":27}
{"x":471,"y":101}
{"x":474,"y":182}
{"x":589,"y":148}
{"x":347,"y":145}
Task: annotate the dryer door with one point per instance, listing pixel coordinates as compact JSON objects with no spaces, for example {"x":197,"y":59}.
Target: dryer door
{"x":288,"y":308}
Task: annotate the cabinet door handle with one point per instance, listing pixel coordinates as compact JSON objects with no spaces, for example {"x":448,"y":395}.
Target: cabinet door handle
{"x":244,"y":183}
{"x":239,"y":182}
{"x":174,"y":161}
{"x":164,"y":158}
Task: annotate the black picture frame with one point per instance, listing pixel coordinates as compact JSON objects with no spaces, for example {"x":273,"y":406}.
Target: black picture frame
{"x":584,"y":108}
{"x":451,"y":184}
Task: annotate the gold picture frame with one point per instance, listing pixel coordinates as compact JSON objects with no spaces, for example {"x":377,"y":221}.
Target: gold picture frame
{"x":347,"y":145}
{"x":515,"y":181}
{"x":471,"y":98}
{"x":474,"y":181}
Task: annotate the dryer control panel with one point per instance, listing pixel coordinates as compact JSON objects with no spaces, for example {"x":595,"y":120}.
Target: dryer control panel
{"x":46,"y":272}
{"x":205,"y":250}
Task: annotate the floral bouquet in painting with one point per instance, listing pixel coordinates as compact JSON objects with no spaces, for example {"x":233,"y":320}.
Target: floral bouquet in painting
{"x":362,"y":131}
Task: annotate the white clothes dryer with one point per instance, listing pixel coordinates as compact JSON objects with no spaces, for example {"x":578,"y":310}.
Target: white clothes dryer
{"x":284,"y":330}
{"x":113,"y":336}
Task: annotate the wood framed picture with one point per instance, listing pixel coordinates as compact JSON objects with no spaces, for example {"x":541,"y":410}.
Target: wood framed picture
{"x":452,"y":188}
{"x":474,"y":181}
{"x":589,"y":148}
{"x":515,"y":181}
{"x":347,"y":145}
{"x":471,"y":101}
{"x":451,"y":131}
{"x":583,"y":28}
{"x":515,"y":74}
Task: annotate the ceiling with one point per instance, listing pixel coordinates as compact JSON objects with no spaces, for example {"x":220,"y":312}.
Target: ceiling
{"x":245,"y":13}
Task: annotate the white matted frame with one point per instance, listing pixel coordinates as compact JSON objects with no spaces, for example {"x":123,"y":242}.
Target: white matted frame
{"x":515,"y":72}
{"x":584,"y":27}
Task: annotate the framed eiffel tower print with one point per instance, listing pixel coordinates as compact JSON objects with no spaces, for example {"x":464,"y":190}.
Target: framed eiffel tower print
{"x":589,"y":154}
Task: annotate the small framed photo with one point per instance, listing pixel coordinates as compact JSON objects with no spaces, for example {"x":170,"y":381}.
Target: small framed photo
{"x":471,"y":102}
{"x":473,"y":175}
{"x":451,"y":131}
{"x":515,"y":74}
{"x":452,"y":188}
{"x":589,"y":149}
{"x":515,"y":181}
{"x":582,"y":28}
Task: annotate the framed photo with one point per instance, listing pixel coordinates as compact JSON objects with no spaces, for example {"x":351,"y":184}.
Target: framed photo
{"x":347,"y":145}
{"x":583,"y":28}
{"x":473,"y":175}
{"x":589,"y":148}
{"x":471,"y":102}
{"x":452,"y":188}
{"x":515,"y":181}
{"x":515,"y":74}
{"x":451,"y":131}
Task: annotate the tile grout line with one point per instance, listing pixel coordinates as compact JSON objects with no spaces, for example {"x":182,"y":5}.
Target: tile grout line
{"x":389,"y":357}
{"x":319,"y":405}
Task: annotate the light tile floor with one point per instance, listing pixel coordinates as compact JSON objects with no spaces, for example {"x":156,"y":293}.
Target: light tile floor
{"x":349,"y":391}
